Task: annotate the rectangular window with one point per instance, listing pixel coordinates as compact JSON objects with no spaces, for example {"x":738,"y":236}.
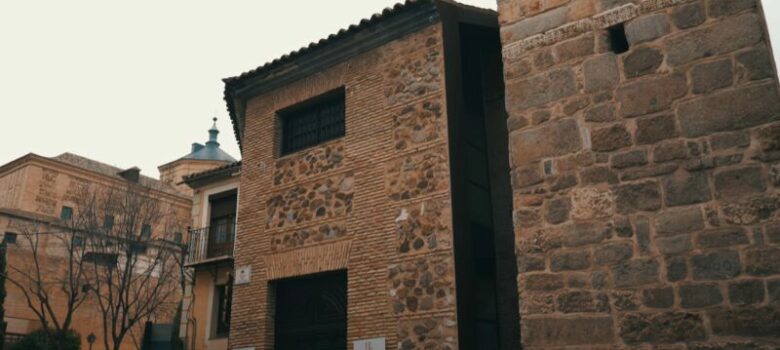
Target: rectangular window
{"x":101,"y":259}
{"x":78,"y":241}
{"x":10,"y":238}
{"x":108,"y":222}
{"x":313,"y":122}
{"x":146,"y":231}
{"x":224,"y":300}
{"x":137,"y":248}
{"x":66,"y":213}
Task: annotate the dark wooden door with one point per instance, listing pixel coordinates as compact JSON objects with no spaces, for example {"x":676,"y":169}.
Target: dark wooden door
{"x":311,"y":312}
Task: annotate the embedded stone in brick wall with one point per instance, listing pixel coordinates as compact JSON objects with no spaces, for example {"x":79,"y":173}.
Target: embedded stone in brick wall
{"x":424,"y":227}
{"x":312,"y":162}
{"x":418,"y":123}
{"x":418,"y":174}
{"x":414,"y":70}
{"x":305,"y":236}
{"x":428,"y":333}
{"x":422,"y":285}
{"x":321,"y":199}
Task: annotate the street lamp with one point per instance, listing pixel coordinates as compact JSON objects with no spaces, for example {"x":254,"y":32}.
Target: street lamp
{"x":91,"y":339}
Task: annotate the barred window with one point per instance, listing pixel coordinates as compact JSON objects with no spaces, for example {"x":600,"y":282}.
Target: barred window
{"x":313,"y":122}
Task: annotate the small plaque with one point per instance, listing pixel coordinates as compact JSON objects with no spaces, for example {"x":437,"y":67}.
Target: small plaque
{"x":243,"y":275}
{"x":370,"y":344}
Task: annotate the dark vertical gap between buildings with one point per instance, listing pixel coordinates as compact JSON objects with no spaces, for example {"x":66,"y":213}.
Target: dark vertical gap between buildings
{"x":486,"y":267}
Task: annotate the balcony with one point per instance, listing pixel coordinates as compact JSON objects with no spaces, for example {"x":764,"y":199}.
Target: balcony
{"x":211,"y":244}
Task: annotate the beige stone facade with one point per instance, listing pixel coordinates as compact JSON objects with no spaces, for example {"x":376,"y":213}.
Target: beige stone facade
{"x":34,"y":191}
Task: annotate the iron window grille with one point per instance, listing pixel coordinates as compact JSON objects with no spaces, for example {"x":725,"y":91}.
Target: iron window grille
{"x":313,"y":122}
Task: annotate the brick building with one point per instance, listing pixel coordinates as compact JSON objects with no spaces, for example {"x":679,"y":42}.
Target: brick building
{"x":613,"y":184}
{"x":38,"y":198}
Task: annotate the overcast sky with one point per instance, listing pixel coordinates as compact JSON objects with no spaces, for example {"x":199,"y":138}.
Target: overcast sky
{"x":134,"y":83}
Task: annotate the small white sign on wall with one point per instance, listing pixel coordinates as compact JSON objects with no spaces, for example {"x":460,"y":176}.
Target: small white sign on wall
{"x":369,"y":344}
{"x":243,"y":275}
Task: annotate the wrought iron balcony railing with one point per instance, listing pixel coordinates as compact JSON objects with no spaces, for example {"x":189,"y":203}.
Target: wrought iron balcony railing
{"x":211,"y":242}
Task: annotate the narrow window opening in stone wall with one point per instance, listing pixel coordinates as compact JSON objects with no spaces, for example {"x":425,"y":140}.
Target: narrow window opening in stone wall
{"x":313,"y":122}
{"x":618,"y":42}
{"x":311,"y":312}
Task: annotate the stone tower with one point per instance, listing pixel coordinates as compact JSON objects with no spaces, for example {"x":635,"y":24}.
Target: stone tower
{"x":646,"y":164}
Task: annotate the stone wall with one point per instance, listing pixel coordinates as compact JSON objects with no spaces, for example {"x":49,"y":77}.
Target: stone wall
{"x":646,"y":182}
{"x":380,"y":194}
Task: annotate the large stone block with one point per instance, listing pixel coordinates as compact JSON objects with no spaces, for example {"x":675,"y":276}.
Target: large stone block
{"x":647,"y":28}
{"x":676,"y":221}
{"x":717,"y":38}
{"x":721,"y":265}
{"x":689,"y":16}
{"x":635,"y":273}
{"x":730,"y":110}
{"x":541,"y":282}
{"x":535,"y":24}
{"x":740,"y":182}
{"x":746,"y":292}
{"x":684,"y":188}
{"x":711,"y":76}
{"x":549,"y":140}
{"x":582,"y":301}
{"x":570,"y":261}
{"x":610,"y":138}
{"x":601,"y":72}
{"x":746,"y":322}
{"x":757,"y":64}
{"x":651,"y":95}
{"x":642,"y":61}
{"x":633,"y":158}
{"x":654,"y":129}
{"x":663,"y":328}
{"x":580,"y":234}
{"x":539,"y":90}
{"x":658,"y":298}
{"x":612,"y":253}
{"x":693,"y":296}
{"x":674,"y":245}
{"x":751,"y":210}
{"x":722,"y":238}
{"x":762,"y":261}
{"x":720,"y":8}
{"x":644,"y":196}
{"x":556,"y":331}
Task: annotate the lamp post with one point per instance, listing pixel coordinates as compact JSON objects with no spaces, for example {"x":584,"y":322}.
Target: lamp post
{"x":91,"y":339}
